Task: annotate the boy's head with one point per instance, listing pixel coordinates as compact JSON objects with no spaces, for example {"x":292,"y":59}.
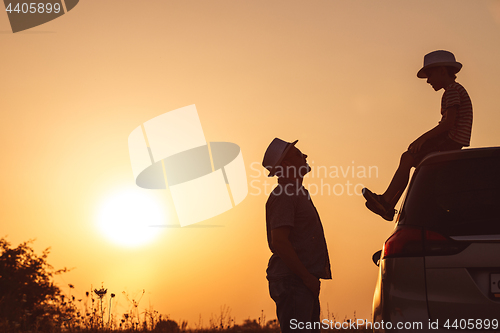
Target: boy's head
{"x":440,"y":77}
{"x":439,"y":58}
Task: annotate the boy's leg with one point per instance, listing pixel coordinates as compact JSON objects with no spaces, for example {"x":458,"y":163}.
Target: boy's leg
{"x":399,"y":180}
{"x":408,"y":160}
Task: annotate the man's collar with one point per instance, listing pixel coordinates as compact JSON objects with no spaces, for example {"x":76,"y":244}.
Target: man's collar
{"x":287,"y":181}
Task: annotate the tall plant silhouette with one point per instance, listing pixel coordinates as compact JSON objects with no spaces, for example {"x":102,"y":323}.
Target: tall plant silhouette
{"x":101,"y":293}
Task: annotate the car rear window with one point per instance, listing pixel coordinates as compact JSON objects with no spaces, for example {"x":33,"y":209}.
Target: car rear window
{"x":457,"y":198}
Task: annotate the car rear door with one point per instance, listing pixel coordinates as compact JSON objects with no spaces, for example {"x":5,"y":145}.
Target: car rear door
{"x":457,"y":202}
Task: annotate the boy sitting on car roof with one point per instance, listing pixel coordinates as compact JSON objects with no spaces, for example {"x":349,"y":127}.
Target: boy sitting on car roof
{"x":452,"y":132}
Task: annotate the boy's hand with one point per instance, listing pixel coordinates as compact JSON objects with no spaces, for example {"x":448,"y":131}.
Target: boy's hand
{"x":415,"y":146}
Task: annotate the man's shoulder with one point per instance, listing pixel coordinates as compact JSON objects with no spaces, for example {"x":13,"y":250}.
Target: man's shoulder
{"x":279,"y":194}
{"x":285,"y":194}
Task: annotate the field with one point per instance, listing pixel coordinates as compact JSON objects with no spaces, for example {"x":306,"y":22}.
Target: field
{"x":30,"y":302}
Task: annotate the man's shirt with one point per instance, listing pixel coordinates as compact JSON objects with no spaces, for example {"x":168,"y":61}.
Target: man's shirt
{"x":289,"y":205}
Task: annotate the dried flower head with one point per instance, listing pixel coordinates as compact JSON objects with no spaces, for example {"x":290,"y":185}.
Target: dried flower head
{"x":101,"y":292}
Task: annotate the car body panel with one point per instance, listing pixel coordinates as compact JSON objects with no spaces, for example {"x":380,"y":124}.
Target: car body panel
{"x":460,"y":284}
{"x":454,"y":294}
{"x":400,"y":291}
{"x":454,"y":195}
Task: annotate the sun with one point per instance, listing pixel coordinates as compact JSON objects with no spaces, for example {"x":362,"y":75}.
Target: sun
{"x":129,"y":217}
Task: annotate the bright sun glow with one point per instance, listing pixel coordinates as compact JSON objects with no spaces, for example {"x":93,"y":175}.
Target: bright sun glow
{"x":128,"y":218}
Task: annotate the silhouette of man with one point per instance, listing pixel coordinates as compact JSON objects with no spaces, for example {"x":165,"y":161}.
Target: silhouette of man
{"x":296,"y":239}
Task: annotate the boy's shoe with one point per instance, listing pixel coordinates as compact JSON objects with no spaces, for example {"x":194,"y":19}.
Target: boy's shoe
{"x":387,"y":215}
{"x":378,"y":205}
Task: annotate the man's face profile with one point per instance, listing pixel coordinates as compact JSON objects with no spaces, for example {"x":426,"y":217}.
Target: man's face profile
{"x":294,"y":165}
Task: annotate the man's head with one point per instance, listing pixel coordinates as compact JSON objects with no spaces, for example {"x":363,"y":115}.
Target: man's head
{"x":294,"y":165}
{"x":284,"y":160}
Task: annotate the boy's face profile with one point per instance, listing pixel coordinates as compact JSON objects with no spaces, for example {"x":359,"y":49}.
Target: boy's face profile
{"x":437,"y":77}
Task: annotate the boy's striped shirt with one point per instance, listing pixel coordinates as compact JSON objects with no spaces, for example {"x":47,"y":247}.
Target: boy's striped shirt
{"x":454,"y":95}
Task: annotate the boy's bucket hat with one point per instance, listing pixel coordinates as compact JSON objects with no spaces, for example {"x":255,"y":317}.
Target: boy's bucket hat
{"x":438,"y":58}
{"x":275,"y":154}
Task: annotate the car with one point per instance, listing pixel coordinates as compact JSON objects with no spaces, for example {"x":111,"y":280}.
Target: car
{"x":439,"y":270}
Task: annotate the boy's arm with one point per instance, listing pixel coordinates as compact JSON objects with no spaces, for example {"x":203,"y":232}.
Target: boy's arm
{"x":281,"y":244}
{"x":444,"y":126}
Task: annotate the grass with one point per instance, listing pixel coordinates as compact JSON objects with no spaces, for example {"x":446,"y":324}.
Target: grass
{"x":95,"y":313}
{"x":30,"y":302}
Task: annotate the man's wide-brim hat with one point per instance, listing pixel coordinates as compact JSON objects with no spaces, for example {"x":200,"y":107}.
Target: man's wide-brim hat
{"x":275,"y":153}
{"x":439,"y":58}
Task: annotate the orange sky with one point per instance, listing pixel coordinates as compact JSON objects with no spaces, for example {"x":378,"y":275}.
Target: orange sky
{"x":340,"y":76}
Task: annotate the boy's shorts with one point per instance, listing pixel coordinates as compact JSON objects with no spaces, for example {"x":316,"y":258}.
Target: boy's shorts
{"x":442,"y":142}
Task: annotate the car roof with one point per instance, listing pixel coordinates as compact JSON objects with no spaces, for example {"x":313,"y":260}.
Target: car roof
{"x":460,"y":154}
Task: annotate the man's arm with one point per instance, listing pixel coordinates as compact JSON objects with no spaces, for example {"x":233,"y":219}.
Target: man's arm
{"x":444,"y":126}
{"x":281,"y":244}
